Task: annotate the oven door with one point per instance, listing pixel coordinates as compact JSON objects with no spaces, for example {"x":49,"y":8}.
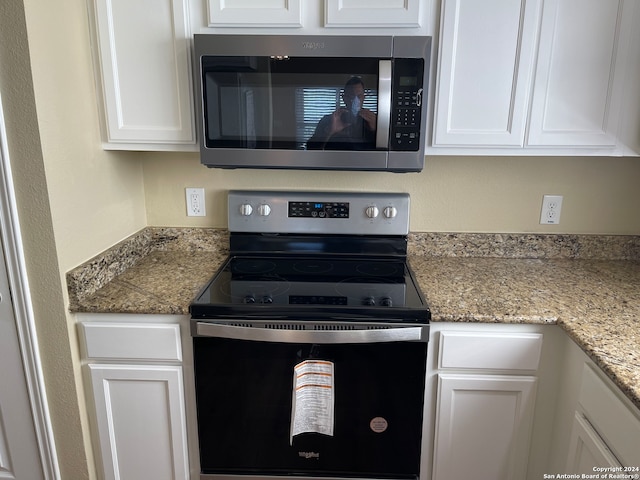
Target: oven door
{"x":246,"y":395}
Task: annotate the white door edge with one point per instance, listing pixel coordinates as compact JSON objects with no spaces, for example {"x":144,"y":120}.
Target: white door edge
{"x":25,"y":324}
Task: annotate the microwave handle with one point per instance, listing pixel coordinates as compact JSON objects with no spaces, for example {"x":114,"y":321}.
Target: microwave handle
{"x":384,"y":104}
{"x":400,"y":334}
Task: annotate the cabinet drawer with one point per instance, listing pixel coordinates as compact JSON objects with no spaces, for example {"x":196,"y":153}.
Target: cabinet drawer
{"x":121,"y":341}
{"x":490,"y":351}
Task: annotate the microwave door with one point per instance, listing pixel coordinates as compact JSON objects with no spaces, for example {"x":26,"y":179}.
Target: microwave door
{"x":384,"y":104}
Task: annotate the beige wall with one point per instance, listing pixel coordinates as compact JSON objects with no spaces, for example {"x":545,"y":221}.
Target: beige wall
{"x":96,"y":196}
{"x":452,"y":194}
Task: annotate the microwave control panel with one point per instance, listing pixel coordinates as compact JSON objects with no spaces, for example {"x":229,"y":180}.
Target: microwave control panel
{"x":407,"y":101}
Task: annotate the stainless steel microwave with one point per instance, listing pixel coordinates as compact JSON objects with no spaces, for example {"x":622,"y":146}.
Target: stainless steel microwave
{"x":312,"y":102}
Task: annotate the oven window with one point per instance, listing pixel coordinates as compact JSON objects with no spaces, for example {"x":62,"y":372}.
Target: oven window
{"x":291,"y":103}
{"x":244,"y":393}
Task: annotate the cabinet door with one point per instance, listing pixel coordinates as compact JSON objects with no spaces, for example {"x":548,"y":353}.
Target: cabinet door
{"x":587,"y":450}
{"x":251,"y":13}
{"x":485,"y":70}
{"x":483,"y":426}
{"x":144,"y":58}
{"x":140,"y":418}
{"x":580,"y":73}
{"x":614,"y":420}
{"x":373,"y":13}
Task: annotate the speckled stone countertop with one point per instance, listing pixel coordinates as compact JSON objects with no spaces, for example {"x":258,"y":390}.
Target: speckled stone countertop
{"x":589,"y":285}
{"x":158,"y":270}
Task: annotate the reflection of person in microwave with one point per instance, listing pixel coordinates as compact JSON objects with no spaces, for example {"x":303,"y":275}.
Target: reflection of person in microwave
{"x":348,"y":128}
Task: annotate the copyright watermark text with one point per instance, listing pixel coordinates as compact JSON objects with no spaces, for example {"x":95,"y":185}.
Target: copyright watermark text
{"x":615,"y":473}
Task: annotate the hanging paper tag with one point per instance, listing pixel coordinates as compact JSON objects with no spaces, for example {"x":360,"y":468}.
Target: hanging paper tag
{"x":313,"y":398}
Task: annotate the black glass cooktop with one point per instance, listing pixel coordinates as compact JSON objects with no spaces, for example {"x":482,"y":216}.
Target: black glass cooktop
{"x":290,"y":286}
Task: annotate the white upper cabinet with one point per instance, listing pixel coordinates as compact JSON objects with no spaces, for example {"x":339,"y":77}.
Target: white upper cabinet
{"x":252,"y":13}
{"x":315,"y":17}
{"x":144,"y":64}
{"x":373,"y":13}
{"x":485,"y":66}
{"x":316,"y":13}
{"x":536,"y":77}
{"x":579,"y":78}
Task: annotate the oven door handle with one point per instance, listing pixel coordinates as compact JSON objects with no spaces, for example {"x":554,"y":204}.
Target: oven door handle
{"x":378,"y":335}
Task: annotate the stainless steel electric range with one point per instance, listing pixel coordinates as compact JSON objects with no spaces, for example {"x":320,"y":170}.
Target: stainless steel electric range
{"x":310,"y":341}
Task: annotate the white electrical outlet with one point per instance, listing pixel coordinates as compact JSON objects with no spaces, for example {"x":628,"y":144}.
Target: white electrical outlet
{"x":195,"y":202}
{"x":551,"y":208}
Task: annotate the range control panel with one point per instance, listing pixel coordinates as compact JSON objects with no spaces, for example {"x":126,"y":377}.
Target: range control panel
{"x":356,"y":213}
{"x":319,"y":209}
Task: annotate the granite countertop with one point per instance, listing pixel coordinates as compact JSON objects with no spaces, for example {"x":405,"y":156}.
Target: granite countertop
{"x":589,"y":286}
{"x":158,"y":270}
{"x":597,"y":302}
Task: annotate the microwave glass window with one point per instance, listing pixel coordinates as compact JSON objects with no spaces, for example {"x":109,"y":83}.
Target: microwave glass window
{"x":316,"y":107}
{"x":290,"y":103}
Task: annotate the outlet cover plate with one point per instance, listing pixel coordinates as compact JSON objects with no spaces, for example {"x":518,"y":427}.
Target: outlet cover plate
{"x":195,"y":202}
{"x":551,"y":209}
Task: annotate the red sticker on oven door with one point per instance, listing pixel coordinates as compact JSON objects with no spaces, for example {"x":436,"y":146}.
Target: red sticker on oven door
{"x":378,"y":424}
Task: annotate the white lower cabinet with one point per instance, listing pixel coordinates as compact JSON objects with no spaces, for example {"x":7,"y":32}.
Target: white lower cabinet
{"x":606,"y":431}
{"x":488,"y":407}
{"x":140,"y":419}
{"x":586,"y":449}
{"x":596,"y":426}
{"x":133,"y":365}
{"x":483,"y":426}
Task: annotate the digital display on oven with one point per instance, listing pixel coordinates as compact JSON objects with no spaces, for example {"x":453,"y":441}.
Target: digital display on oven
{"x":319,"y":209}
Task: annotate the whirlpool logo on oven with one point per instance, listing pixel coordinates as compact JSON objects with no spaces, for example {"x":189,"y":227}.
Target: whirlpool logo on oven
{"x":309,"y":455}
{"x":313,"y":45}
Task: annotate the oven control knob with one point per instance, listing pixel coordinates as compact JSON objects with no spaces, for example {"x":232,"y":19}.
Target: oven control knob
{"x":266,"y":299}
{"x":372,"y":211}
{"x":264,"y":210}
{"x":369,"y":302}
{"x":390,"y":212}
{"x":386,"y":302}
{"x":246,"y":209}
{"x":249,"y":299}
